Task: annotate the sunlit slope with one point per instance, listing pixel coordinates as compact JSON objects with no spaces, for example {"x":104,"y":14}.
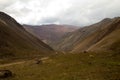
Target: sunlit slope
{"x":109,"y":43}
{"x":71,"y":40}
{"x":102,"y":39}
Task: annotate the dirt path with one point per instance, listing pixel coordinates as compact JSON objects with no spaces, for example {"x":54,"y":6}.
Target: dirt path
{"x":20,"y":62}
{"x":15,"y":63}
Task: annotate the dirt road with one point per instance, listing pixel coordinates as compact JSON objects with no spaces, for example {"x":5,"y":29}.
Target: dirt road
{"x":15,"y":63}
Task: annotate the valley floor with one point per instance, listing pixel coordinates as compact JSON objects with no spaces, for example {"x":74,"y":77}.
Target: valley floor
{"x":83,"y":66}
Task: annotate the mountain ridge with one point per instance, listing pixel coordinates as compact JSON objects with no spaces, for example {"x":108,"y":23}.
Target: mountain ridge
{"x":49,"y":33}
{"x":83,"y":38}
{"x":16,"y":41}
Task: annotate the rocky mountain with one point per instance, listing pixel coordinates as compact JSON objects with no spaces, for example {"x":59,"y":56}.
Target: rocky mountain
{"x":93,"y":37}
{"x":15,"y":41}
{"x":50,"y":33}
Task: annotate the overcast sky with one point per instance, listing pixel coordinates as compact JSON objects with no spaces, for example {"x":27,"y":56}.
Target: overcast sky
{"x":73,"y":12}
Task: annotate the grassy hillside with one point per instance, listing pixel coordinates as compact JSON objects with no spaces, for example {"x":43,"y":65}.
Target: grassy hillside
{"x":71,"y":40}
{"x":91,"y":37}
{"x":109,"y":43}
{"x":15,"y":41}
{"x":103,"y":38}
{"x":89,"y":66}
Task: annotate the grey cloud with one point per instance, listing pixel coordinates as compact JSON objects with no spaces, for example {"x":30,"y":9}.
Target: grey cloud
{"x":48,"y":20}
{"x":79,"y":12}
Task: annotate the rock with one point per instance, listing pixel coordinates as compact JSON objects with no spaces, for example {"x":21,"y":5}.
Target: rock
{"x":84,"y":51}
{"x":38,"y":61}
{"x":5,"y":73}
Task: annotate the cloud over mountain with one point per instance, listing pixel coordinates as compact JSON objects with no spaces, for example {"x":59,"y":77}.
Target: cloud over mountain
{"x":74,"y":12}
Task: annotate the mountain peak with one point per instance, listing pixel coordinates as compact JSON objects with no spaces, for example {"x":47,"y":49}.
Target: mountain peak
{"x":106,"y":19}
{"x":4,"y":16}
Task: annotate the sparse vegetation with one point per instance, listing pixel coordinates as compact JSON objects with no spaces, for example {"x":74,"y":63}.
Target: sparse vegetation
{"x":25,"y":57}
{"x":69,"y":67}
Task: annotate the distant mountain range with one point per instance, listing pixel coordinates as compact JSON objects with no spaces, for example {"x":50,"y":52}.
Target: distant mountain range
{"x":15,"y":41}
{"x":50,"y":33}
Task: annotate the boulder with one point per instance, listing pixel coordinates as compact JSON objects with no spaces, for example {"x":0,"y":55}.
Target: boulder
{"x":38,"y":61}
{"x":5,"y":73}
{"x":85,"y":51}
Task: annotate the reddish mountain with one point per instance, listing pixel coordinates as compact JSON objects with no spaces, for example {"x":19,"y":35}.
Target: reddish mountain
{"x":50,"y":33}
